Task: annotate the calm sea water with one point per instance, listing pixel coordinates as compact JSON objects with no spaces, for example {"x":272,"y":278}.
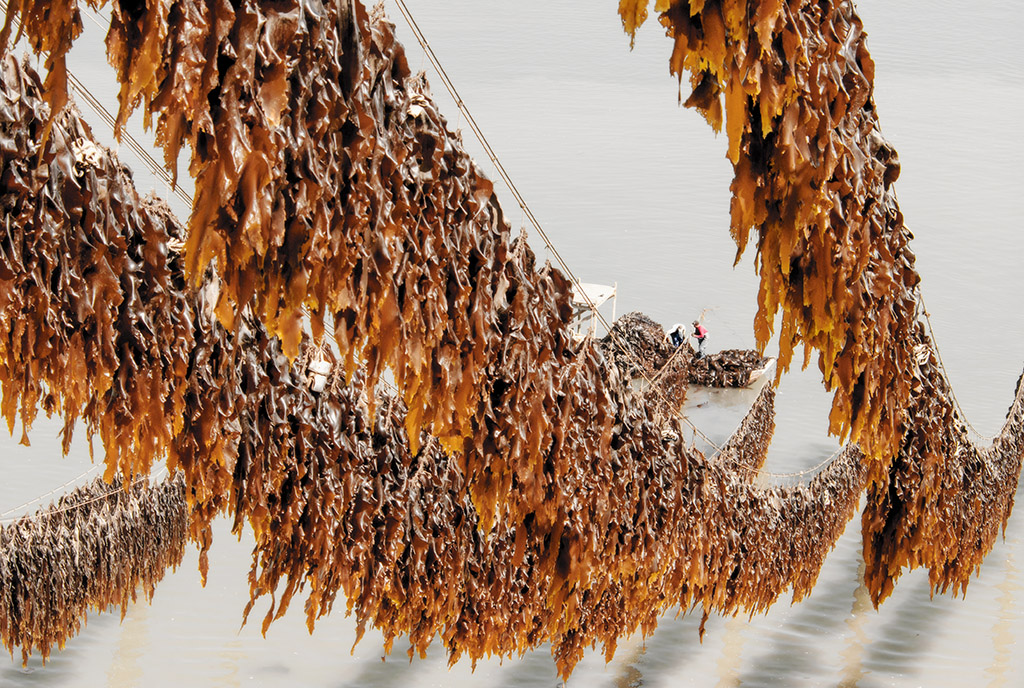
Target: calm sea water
{"x":634,"y":190}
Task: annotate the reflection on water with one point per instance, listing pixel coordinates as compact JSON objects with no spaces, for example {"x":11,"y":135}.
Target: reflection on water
{"x":906,"y":640}
{"x":732,"y":652}
{"x":630,"y":650}
{"x":125,"y":671}
{"x":853,"y":654}
{"x":1003,"y":638}
{"x":226,"y":674}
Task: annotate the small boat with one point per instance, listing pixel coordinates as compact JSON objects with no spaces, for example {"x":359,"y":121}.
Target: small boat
{"x":587,"y":298}
{"x":759,"y":373}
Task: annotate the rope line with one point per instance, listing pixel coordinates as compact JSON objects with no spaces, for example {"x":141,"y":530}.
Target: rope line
{"x":95,"y":21}
{"x":56,"y":512}
{"x":40,"y":498}
{"x":945,"y":371}
{"x":813,"y":469}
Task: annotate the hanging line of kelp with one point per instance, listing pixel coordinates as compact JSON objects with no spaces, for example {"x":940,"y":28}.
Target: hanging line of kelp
{"x":792,"y":82}
{"x":93,"y":549}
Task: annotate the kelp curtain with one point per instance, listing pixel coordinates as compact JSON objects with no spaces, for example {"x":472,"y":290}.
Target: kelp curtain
{"x":517,"y":491}
{"x":792,"y":82}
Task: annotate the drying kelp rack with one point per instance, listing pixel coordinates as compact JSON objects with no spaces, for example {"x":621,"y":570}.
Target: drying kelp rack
{"x":516,"y":491}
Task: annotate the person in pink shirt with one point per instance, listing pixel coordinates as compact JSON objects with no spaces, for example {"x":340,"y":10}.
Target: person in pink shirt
{"x":701,"y":333}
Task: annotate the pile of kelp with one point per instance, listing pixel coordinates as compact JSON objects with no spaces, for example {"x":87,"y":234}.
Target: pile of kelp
{"x":93,"y":549}
{"x":544,"y":504}
{"x":604,"y":532}
{"x":793,"y":83}
{"x":638,"y":347}
{"x":727,"y":368}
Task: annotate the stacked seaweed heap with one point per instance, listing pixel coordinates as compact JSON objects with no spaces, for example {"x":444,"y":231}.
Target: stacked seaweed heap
{"x":726,"y":368}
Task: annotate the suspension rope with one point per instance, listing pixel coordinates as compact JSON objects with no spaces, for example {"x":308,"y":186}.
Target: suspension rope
{"x":945,"y":371}
{"x":40,"y":498}
{"x":56,"y":512}
{"x":818,"y":468}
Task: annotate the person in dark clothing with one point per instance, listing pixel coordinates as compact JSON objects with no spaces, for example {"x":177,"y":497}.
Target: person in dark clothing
{"x":677,"y":335}
{"x":701,"y":333}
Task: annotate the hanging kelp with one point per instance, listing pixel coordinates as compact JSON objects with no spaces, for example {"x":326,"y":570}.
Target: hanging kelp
{"x":946,"y":498}
{"x":792,"y":82}
{"x":652,"y":528}
{"x":327,"y":179}
{"x":96,"y":326}
{"x":747,"y":447}
{"x":558,"y":512}
{"x":97,"y":547}
{"x":338,"y":499}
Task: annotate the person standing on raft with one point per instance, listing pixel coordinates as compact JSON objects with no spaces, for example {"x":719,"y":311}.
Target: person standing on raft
{"x":701,"y":333}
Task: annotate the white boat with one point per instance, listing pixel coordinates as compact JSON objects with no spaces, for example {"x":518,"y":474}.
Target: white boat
{"x":587,"y":298}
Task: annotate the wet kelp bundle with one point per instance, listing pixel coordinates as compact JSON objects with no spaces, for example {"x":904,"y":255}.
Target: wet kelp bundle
{"x":640,"y":349}
{"x":95,"y":325}
{"x":95,"y":548}
{"x":341,"y":502}
{"x":792,"y":82}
